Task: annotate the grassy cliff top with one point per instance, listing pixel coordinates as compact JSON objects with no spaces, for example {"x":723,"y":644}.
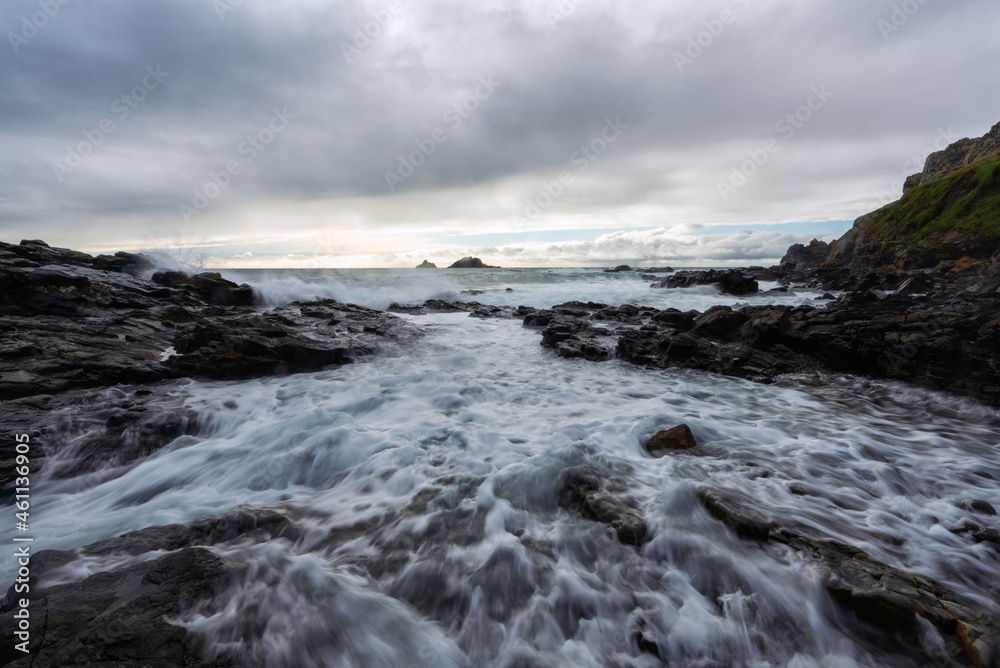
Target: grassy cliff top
{"x":965,"y":204}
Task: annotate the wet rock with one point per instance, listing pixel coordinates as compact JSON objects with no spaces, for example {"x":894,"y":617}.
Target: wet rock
{"x":987,"y":536}
{"x":670,"y":440}
{"x":126,"y":615}
{"x":68,"y":325}
{"x":129,"y":263}
{"x":877,"y":594}
{"x":582,"y":491}
{"x":978,"y":506}
{"x":939,"y":343}
{"x":743,"y":520}
{"x":918,"y":284}
{"x":619,"y":269}
{"x":121,"y":617}
{"x":730,"y":281}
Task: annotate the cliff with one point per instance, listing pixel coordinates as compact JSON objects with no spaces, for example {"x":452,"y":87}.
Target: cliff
{"x":961,"y":154}
{"x":948,"y":212}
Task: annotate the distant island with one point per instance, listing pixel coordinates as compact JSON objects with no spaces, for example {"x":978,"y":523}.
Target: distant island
{"x":471,"y":263}
{"x":426,"y":265}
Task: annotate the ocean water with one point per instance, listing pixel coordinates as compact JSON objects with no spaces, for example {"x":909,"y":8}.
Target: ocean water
{"x":426,"y":479}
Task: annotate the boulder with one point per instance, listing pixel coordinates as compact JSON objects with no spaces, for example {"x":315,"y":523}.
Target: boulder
{"x":670,"y":440}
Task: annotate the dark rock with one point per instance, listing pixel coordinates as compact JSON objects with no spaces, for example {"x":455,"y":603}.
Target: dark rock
{"x":803,"y":258}
{"x":617,"y":270}
{"x":470,"y":263}
{"x":583,"y":491}
{"x":426,"y":265}
{"x":987,"y":535}
{"x":918,"y":284}
{"x":126,"y":615}
{"x":130,"y":263}
{"x":129,"y":330}
{"x":744,"y":521}
{"x":670,"y":440}
{"x":978,"y":506}
{"x":730,"y":281}
{"x":121,"y":617}
{"x":877,"y":594}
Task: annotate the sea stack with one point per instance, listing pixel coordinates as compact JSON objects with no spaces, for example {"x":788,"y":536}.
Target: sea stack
{"x":471,"y":263}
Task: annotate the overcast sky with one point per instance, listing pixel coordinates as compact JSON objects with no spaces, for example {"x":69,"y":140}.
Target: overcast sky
{"x":543,"y":132}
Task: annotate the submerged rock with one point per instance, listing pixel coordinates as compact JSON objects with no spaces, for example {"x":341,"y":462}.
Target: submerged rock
{"x":583,"y":491}
{"x":127,"y":614}
{"x":884,"y":597}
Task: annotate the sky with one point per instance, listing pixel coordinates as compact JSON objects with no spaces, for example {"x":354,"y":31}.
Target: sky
{"x":280,"y":133}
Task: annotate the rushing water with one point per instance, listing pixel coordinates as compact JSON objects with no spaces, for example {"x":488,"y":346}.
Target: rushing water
{"x":427,"y":480}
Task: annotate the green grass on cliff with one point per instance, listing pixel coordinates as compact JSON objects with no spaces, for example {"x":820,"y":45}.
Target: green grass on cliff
{"x":965,"y":204}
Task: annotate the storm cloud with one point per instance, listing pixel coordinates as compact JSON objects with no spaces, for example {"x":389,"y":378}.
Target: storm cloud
{"x":383,"y":129}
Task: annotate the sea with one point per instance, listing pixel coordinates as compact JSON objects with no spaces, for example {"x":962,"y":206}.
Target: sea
{"x":426,"y":480}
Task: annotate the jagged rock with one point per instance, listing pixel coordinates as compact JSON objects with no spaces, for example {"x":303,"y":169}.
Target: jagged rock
{"x":919,"y":284}
{"x":803,"y":258}
{"x":670,"y":440}
{"x":426,"y":265}
{"x":744,"y":521}
{"x":880,"y":595}
{"x":122,"y":617}
{"x":126,"y":616}
{"x":470,"y":263}
{"x":730,"y":281}
{"x":130,"y":263}
{"x":957,"y":156}
{"x":129,"y":330}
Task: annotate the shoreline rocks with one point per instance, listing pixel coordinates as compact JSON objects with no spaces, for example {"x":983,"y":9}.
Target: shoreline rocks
{"x":70,"y":323}
{"x":939,"y":342}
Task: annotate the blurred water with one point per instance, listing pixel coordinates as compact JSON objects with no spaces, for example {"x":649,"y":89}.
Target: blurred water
{"x":428,"y":486}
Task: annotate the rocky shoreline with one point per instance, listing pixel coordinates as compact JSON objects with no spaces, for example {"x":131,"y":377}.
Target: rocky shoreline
{"x":74,"y":324}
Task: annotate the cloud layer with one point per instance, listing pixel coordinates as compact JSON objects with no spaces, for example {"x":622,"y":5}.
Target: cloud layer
{"x":281,"y":123}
